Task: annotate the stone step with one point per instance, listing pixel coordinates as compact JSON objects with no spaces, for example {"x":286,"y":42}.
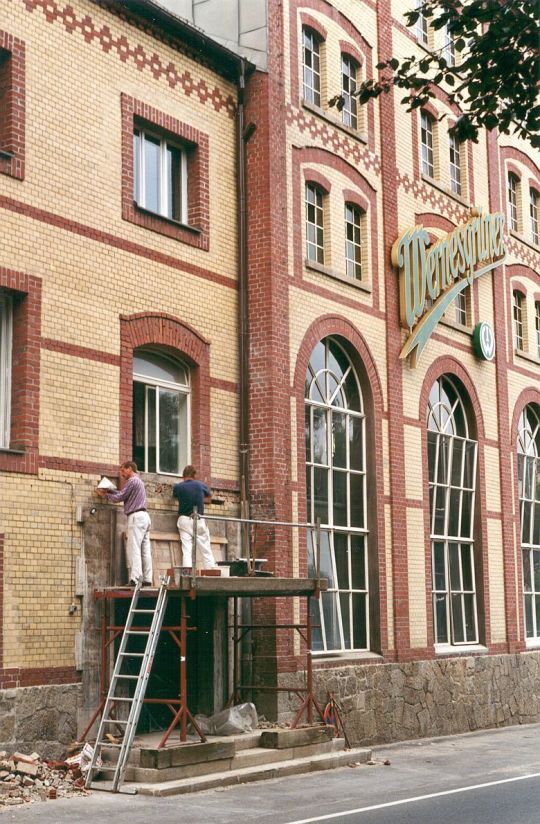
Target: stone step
{"x":276,"y":769}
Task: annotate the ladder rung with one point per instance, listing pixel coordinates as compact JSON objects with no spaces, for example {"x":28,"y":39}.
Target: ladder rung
{"x":104,"y":767}
{"x":131,"y":654}
{"x":113,"y":721}
{"x":114,"y":698}
{"x":140,"y":631}
{"x":121,"y":675}
{"x":109,"y":744}
{"x":144,"y":611}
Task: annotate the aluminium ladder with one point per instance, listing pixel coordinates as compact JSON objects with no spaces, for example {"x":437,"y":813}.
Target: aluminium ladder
{"x":136,"y":702}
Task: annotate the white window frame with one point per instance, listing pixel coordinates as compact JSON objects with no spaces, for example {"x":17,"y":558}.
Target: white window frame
{"x":528,"y":449}
{"x":349,"y":84}
{"x":513,"y":208}
{"x":6,"y":349}
{"x":311,"y":74}
{"x":422,"y":29}
{"x":181,"y":389}
{"x":443,"y":428}
{"x":449,"y":48}
{"x":454,"y":147}
{"x":537,"y":326}
{"x":319,"y":401}
{"x":139,"y":182}
{"x":517,"y":315}
{"x":315,"y":251}
{"x":460,"y":305}
{"x":427,"y":136}
{"x":353,"y":265}
{"x":533,"y":211}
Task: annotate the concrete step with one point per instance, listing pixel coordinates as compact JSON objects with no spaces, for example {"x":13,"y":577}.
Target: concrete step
{"x":276,"y":769}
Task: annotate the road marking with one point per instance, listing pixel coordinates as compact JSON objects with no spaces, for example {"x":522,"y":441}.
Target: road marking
{"x":415,"y":798}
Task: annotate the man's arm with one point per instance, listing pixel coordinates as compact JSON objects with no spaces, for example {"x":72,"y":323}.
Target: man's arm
{"x":121,"y":494}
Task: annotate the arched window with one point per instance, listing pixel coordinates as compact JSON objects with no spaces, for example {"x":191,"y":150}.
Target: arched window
{"x":528,"y":448}
{"x":336,"y":493}
{"x":161,"y":412}
{"x":452,"y":473}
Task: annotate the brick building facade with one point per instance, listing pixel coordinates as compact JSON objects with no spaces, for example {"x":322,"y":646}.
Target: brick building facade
{"x":119,"y":298}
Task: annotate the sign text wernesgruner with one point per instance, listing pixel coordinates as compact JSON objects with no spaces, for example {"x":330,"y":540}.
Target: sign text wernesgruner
{"x":440,"y":271}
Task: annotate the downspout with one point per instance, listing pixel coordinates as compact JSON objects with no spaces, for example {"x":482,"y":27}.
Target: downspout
{"x":243,"y":136}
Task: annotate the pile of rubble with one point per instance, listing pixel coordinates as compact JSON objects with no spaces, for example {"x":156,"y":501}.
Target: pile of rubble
{"x":27,"y":778}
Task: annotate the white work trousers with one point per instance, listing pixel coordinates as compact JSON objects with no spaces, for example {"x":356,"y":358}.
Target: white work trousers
{"x":138,"y":549}
{"x":185,"y":528}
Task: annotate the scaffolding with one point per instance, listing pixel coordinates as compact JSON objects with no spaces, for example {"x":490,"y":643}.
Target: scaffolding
{"x":185,"y":588}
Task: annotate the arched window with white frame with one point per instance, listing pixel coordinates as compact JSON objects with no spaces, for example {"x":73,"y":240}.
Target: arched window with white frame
{"x":528,"y":449}
{"x":452,"y":454}
{"x":336,"y":494}
{"x":161,"y":411}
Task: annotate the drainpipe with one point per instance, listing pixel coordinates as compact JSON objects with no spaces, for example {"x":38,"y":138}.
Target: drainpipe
{"x":243,"y":135}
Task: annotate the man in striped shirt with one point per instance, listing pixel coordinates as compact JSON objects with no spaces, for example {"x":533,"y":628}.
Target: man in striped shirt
{"x":138,"y":549}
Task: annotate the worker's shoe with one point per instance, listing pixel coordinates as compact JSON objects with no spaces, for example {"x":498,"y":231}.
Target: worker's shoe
{"x":147,"y":583}
{"x":132,"y":583}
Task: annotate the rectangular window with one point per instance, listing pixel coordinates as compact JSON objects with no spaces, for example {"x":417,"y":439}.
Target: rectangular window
{"x":426,"y":139}
{"x":449,"y":49}
{"x":513,"y":186}
{"x":353,"y":241}
{"x":349,"y":74}
{"x":455,"y":165}
{"x":312,"y":67}
{"x":6,"y":337}
{"x":12,"y":105}
{"x":159,"y":176}
{"x":421,"y":25}
{"x":461,"y":308}
{"x":518,"y":320}
{"x":533,"y":208}
{"x":314,"y":223}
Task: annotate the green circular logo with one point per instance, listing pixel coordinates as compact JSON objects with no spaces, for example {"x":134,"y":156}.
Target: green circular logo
{"x":484,"y":341}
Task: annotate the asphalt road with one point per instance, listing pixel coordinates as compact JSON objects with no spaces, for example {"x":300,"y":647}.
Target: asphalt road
{"x":481,"y":778}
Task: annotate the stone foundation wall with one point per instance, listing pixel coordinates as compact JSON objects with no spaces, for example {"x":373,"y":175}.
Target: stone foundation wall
{"x":40,"y":719}
{"x":392,"y":702}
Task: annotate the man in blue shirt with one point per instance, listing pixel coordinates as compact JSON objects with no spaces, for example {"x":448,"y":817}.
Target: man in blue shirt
{"x":191,"y":494}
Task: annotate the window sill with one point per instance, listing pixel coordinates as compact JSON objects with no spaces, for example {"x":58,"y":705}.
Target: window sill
{"x":465,"y":649}
{"x":168,"y":220}
{"x":532,"y":643}
{"x":459,"y":327}
{"x":325,"y":270}
{"x":436,"y":185}
{"x":333,"y":121}
{"x":5,"y":450}
{"x":6,"y":155}
{"x":529,"y":243}
{"x":346,"y":657}
{"x":519,"y":353}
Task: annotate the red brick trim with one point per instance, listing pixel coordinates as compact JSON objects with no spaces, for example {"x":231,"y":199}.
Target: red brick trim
{"x":511,"y":168}
{"x":12,"y":105}
{"x":135,"y":112}
{"x":115,"y":241}
{"x":364,"y":363}
{"x":366,"y":193}
{"x":225,"y":386}
{"x":528,"y":396}
{"x":74,"y":465}
{"x":176,"y":77}
{"x":516,"y":286}
{"x":313,"y":176}
{"x":181,"y":339}
{"x":436,"y":221}
{"x":310,"y":22}
{"x":356,"y":199}
{"x":359,"y":42}
{"x":76,"y":351}
{"x":448,"y":365}
{"x":25,"y":370}
{"x":349,"y":50}
{"x":14,"y":677}
{"x":509,"y":153}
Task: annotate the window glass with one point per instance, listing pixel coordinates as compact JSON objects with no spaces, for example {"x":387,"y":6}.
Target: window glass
{"x":421,"y":25}
{"x":533,"y":210}
{"x":528,"y":449}
{"x":452,"y":470}
{"x":518,"y":320}
{"x":159,"y":183}
{"x":6,"y":332}
{"x":513,"y":186}
{"x":336,"y":492}
{"x":349,"y":74}
{"x":314,"y":223}
{"x":537,"y":326}
{"x":161,"y":425}
{"x":353,"y":241}
{"x":312,"y":67}
{"x":455,"y":165}
{"x":426,"y":140}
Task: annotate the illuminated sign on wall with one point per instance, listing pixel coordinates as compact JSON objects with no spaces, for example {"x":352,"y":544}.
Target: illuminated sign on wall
{"x":432,"y":275}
